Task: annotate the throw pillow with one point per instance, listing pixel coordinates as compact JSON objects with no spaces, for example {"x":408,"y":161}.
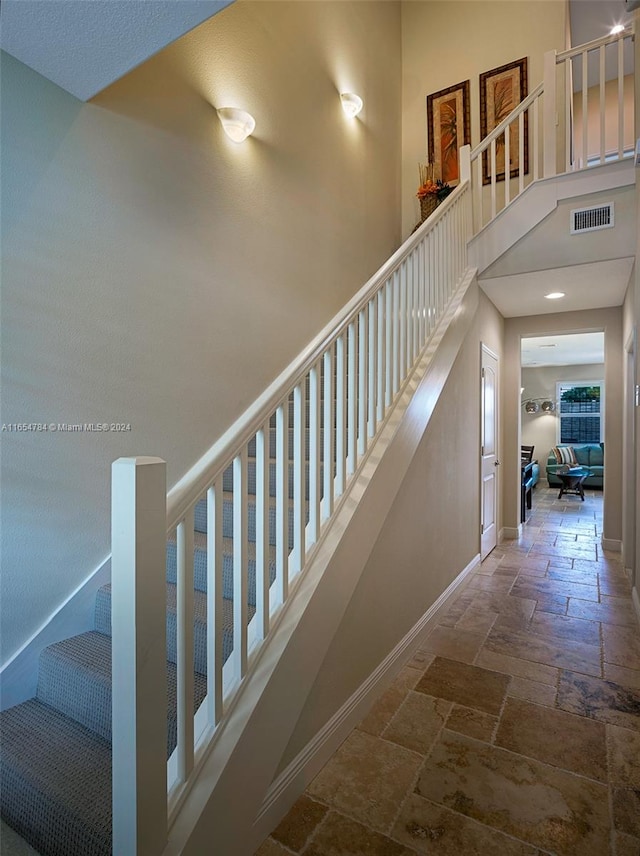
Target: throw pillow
{"x":564,"y":455}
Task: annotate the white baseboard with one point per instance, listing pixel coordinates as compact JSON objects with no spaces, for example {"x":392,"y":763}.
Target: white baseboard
{"x":293,"y":780}
{"x":612,"y":544}
{"x":19,"y":675}
{"x":635,"y":597}
{"x":510,"y":533}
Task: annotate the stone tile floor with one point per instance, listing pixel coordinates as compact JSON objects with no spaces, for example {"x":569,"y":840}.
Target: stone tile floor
{"x":515,"y":729}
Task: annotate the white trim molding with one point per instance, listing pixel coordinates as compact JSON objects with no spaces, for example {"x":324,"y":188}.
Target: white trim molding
{"x":293,"y":780}
{"x":613,"y":544}
{"x":510,"y":533}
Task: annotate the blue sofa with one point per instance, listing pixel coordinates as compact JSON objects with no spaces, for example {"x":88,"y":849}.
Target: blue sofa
{"x":588,"y":455}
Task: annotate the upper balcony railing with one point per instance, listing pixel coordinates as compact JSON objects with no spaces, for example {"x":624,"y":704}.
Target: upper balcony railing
{"x":581,"y":115}
{"x":243,"y":524}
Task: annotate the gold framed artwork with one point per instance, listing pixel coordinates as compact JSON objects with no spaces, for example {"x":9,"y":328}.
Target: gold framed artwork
{"x":501,"y":90}
{"x":449,"y":127}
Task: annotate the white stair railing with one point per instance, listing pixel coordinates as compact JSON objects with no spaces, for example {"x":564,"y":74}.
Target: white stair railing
{"x":515,"y":140}
{"x":587,"y":94}
{"x":300,"y":445}
{"x":597,"y":111}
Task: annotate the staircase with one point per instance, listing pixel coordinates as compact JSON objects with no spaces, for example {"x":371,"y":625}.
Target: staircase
{"x":56,"y":748}
{"x":242,"y":528}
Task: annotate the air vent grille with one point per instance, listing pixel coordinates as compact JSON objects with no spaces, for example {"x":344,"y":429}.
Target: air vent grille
{"x":592,"y":219}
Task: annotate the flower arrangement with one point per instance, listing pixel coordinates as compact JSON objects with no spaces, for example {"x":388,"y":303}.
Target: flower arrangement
{"x":430,"y":188}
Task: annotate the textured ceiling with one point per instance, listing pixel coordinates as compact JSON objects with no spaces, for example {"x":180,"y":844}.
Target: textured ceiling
{"x":85,"y":46}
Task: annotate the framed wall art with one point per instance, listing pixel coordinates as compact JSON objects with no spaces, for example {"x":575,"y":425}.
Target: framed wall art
{"x":501,"y":90}
{"x":449,"y":127}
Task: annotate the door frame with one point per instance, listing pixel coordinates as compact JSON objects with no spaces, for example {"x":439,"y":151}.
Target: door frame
{"x":485,"y":349}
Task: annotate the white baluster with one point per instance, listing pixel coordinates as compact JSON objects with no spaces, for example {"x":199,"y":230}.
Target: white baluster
{"x":352,"y":399}
{"x":262,"y":532}
{"x":281,"y":589}
{"x":240,"y":564}
{"x":416,"y":303}
{"x":550,"y":119}
{"x":215,"y":585}
{"x":329,"y":434}
{"x":396,"y":330}
{"x":388,"y":350}
{"x":479,"y":190}
{"x":568,"y":110}
{"x":507,"y":165}
{"x":620,"y":98}
{"x":585,"y":109}
{"x":341,"y":416}
{"x":421,"y":296}
{"x":402,"y":323}
{"x":536,"y":140}
{"x":363,"y":352}
{"x":602,"y":104}
{"x":373,"y":368}
{"x":382,"y":361}
{"x":433,"y":286}
{"x":315,"y":471}
{"x":297,"y":556}
{"x":493,"y":179}
{"x":521,"y":142}
{"x":184,"y":614}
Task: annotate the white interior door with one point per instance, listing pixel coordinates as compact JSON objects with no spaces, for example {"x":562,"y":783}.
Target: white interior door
{"x":489,"y":453}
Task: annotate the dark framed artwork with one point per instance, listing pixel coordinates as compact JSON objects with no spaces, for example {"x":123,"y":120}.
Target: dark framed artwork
{"x":501,"y":90}
{"x":449,"y":127}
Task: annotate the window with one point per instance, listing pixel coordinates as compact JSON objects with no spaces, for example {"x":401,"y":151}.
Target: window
{"x":581,"y":413}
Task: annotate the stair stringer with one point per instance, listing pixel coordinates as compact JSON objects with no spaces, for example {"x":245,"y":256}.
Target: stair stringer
{"x":218,"y":812}
{"x":536,"y":202}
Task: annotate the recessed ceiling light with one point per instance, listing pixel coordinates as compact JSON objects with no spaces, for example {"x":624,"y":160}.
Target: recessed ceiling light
{"x":617,"y":29}
{"x":554,"y":295}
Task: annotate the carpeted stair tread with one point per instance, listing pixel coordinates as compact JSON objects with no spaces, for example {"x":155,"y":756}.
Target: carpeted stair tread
{"x":75,"y":678}
{"x":55,"y":781}
{"x":200,"y":518}
{"x":200,"y":560}
{"x":227,"y":478}
{"x":103,"y":623}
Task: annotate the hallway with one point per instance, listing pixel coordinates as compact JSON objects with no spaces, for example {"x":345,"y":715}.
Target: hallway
{"x":515,"y":729}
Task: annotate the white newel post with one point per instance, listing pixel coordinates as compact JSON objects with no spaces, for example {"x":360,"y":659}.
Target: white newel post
{"x":550,"y":114}
{"x":138,"y":608}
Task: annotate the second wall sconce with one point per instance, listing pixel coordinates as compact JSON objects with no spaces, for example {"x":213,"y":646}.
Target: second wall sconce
{"x":351,"y":103}
{"x":532,"y":405}
{"x":237,"y":124}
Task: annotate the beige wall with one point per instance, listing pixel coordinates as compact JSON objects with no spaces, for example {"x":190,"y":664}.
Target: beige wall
{"x":609,"y":320}
{"x":444,"y":44}
{"x":156,"y":274}
{"x":541,"y":429}
{"x":430,"y":535}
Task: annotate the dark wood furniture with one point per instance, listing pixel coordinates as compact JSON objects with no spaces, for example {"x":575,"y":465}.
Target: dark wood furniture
{"x":572,"y":480}
{"x":526,"y":454}
{"x":526,"y":484}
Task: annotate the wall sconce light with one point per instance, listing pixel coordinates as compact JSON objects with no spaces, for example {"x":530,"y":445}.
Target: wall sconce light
{"x":548,"y":406}
{"x":532,"y":407}
{"x":351,"y":104}
{"x":237,"y":124}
